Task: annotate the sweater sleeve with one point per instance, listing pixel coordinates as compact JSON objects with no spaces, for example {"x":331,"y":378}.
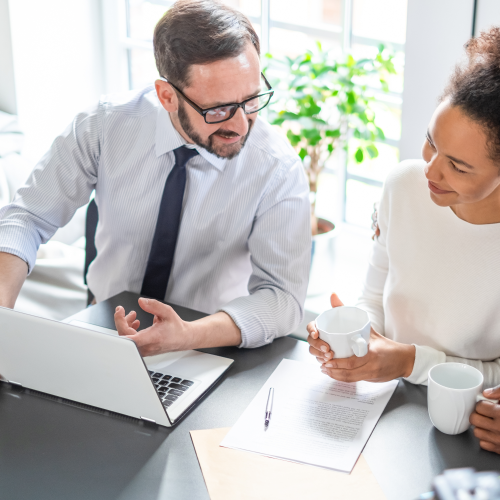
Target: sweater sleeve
{"x":427,"y":357}
{"x":371,"y":299}
{"x":372,"y":295}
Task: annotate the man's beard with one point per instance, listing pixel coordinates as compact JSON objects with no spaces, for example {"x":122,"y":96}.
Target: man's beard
{"x":228,"y":151}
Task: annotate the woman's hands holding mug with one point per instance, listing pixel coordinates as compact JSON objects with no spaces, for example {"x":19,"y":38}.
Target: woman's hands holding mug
{"x":486,"y":418}
{"x":386,"y":359}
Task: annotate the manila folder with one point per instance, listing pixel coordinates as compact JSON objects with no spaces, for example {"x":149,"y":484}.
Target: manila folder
{"x":238,"y":475}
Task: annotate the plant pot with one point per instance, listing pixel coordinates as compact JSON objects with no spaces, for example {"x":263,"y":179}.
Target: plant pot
{"x":322,"y":259}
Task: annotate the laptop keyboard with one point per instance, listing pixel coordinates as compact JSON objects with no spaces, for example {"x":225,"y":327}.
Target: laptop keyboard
{"x":169,"y":388}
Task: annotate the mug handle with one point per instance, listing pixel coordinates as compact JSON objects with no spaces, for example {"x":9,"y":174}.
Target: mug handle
{"x":359,"y":346}
{"x":480,"y":397}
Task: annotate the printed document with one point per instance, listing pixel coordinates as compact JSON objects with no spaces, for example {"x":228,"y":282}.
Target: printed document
{"x":315,"y":420}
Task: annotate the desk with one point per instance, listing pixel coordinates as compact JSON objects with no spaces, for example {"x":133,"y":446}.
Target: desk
{"x":52,"y":451}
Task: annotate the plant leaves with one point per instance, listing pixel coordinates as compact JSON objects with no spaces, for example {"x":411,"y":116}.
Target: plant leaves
{"x":293,"y":138}
{"x":287,"y":115}
{"x":372,"y":150}
{"x":380,"y":133}
{"x":333,"y":133}
{"x":321,"y":99}
{"x":359,"y":155}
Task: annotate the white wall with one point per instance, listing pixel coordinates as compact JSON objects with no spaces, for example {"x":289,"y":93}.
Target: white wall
{"x":436,"y":33}
{"x":58,"y":65}
{"x":7,"y":83}
{"x":487,"y":15}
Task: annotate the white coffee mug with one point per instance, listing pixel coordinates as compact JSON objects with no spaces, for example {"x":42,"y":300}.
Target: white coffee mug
{"x":452,"y":394}
{"x":346,"y":330}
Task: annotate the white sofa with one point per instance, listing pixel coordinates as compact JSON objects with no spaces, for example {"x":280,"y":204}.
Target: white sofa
{"x":55,"y":288}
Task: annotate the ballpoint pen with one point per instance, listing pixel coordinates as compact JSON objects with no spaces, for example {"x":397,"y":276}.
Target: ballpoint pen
{"x":269,"y":407}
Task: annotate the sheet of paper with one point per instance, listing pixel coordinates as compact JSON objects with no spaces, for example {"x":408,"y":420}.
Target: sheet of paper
{"x":237,"y":475}
{"x":315,"y":420}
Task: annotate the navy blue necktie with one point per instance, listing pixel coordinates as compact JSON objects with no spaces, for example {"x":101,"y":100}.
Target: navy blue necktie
{"x":167,"y":228}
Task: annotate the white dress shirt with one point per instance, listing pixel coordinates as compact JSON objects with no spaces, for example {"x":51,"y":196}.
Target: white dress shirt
{"x":434,"y":279}
{"x":244,"y":244}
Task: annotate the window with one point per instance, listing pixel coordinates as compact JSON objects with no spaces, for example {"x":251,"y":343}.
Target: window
{"x":287,"y":28}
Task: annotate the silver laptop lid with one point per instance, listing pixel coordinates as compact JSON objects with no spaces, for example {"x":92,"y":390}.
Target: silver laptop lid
{"x":74,"y":363}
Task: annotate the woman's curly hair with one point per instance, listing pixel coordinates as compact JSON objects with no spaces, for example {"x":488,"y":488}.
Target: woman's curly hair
{"x":475,"y":86}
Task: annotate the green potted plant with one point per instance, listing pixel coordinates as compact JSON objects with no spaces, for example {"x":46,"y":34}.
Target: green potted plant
{"x":322,"y":102}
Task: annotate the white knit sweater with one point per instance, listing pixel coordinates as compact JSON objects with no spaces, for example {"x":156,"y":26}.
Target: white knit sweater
{"x":434,"y":279}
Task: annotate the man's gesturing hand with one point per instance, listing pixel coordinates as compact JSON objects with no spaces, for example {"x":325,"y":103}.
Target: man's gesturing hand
{"x":168,"y":333}
{"x":486,"y":418}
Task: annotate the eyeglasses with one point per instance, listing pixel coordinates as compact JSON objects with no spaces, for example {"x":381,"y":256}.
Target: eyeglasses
{"x":225,"y":112}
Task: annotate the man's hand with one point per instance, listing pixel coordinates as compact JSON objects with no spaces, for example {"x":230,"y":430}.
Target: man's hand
{"x":486,"y":418}
{"x":170,"y":333}
{"x":386,"y":359}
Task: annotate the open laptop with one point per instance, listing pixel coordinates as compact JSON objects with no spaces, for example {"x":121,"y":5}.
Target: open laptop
{"x":103,"y":370}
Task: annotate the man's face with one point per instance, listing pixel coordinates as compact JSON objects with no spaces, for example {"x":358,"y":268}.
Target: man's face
{"x":228,"y":81}
{"x":212,"y":142}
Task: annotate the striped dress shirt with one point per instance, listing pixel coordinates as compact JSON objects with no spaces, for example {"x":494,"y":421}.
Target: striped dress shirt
{"x":244,"y":243}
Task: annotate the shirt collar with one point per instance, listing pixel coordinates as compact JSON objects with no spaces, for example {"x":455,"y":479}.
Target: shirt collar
{"x":168,"y":139}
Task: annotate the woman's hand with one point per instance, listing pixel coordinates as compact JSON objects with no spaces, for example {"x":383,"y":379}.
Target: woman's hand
{"x":486,"y":418}
{"x":386,"y":359}
{"x":318,"y":347}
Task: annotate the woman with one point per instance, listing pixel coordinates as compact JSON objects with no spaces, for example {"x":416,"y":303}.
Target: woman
{"x":433,"y":285}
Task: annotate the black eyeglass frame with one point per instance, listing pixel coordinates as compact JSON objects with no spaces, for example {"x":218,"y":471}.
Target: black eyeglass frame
{"x":203,"y":112}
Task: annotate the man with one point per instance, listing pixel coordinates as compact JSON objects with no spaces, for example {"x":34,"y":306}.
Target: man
{"x":200,"y":203}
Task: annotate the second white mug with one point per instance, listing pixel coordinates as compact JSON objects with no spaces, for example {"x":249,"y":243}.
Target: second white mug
{"x":346,"y":330}
{"x":452,"y":393}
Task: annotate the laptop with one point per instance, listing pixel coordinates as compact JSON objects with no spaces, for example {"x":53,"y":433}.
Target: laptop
{"x":93,"y":366}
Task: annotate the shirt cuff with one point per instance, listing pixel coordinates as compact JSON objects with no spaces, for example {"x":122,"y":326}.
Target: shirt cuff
{"x":17,"y":239}
{"x":254,"y":319}
{"x":425,"y":358}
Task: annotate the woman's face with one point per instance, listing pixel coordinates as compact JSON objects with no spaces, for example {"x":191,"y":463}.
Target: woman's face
{"x":459,"y":169}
